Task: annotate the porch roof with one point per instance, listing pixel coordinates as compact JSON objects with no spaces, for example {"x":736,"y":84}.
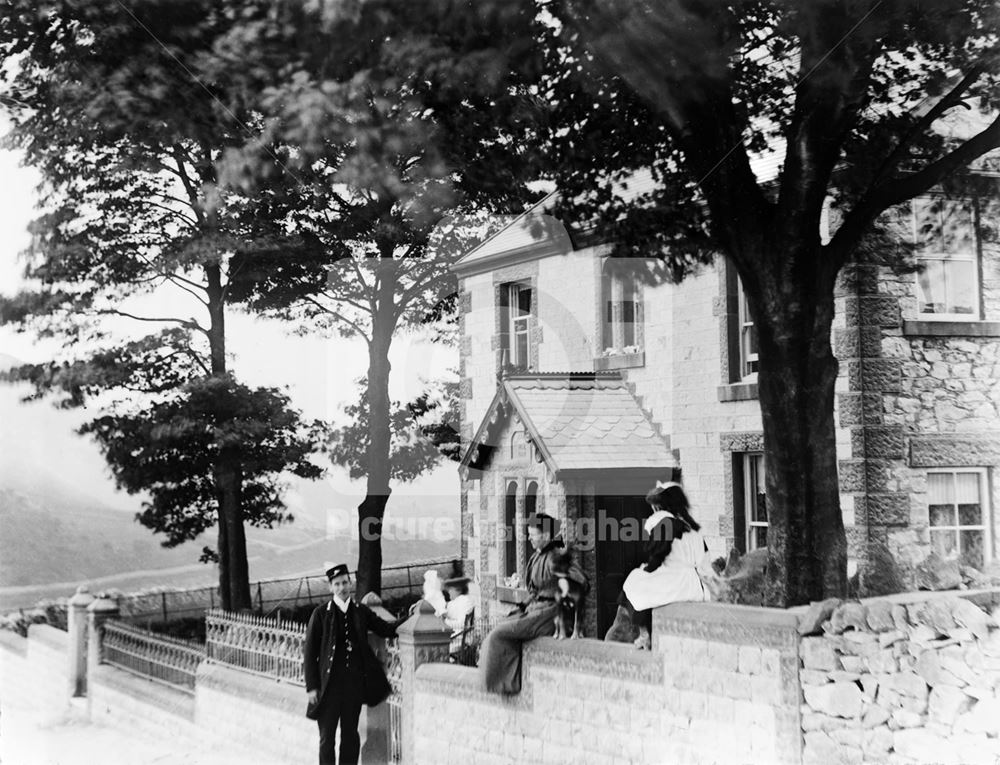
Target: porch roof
{"x":576,"y":422}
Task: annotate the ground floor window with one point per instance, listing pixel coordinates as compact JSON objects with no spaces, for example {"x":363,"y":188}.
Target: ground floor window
{"x":958,"y":515}
{"x":754,"y":501}
{"x":510,"y":530}
{"x":751,"y":501}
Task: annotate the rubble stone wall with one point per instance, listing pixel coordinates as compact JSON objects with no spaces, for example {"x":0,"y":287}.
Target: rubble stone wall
{"x":912,"y":679}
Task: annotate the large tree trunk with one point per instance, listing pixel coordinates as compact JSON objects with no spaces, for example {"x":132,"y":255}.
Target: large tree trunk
{"x":796,"y":377}
{"x":372,"y":509}
{"x":234,"y":576}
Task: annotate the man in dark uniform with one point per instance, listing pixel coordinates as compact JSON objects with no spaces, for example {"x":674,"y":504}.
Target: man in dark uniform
{"x":341,"y":670}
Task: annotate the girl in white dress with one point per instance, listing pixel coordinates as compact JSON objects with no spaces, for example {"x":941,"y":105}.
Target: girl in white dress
{"x":675,"y":552}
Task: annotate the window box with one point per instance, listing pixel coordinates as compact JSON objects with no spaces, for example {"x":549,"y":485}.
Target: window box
{"x":514,"y":595}
{"x":620,"y":361}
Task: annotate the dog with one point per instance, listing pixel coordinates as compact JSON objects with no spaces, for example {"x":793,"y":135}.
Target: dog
{"x":569,"y":601}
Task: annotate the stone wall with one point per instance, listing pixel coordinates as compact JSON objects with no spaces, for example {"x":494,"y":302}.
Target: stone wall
{"x":227,"y":699}
{"x":720,"y":685}
{"x":36,"y":666}
{"x":231,"y":711}
{"x":910,"y":679}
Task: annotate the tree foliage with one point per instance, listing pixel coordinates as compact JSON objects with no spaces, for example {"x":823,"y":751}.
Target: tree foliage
{"x":392,"y":117}
{"x":685,"y":98}
{"x":424,"y":431}
{"x":120,"y":107}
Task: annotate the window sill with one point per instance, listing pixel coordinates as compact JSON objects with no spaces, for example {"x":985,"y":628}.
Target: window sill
{"x":620,"y":361}
{"x":740,"y":391}
{"x":952,"y":328}
{"x":515,"y":595}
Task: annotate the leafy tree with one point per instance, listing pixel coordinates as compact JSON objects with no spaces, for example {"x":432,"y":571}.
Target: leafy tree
{"x":423,"y":432}
{"x":392,"y":116}
{"x":850,"y":91}
{"x":111,"y":102}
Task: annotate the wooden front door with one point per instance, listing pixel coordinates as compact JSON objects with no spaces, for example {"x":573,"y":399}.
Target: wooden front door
{"x":617,"y":554}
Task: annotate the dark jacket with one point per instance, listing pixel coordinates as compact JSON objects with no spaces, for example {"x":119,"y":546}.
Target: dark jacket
{"x":543,"y":583}
{"x":319,"y":647}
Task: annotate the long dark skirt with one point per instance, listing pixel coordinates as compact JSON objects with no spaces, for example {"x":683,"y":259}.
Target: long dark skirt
{"x":500,"y":654}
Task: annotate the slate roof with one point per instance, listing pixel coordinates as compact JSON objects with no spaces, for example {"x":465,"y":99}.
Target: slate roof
{"x":578,"y":422}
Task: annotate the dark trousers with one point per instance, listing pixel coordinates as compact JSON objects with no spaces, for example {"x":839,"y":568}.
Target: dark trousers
{"x":643,"y":619}
{"x":341,"y":706}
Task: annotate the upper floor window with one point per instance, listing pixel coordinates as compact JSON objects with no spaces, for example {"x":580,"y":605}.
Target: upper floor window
{"x":621,"y":308}
{"x":516,"y":301}
{"x":958,"y":515}
{"x":748,"y":335}
{"x":944,"y":237}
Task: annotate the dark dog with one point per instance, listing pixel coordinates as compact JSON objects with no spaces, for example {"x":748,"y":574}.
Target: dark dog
{"x":569,"y":601}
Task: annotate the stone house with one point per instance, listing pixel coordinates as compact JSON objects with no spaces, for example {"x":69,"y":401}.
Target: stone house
{"x":582,"y":383}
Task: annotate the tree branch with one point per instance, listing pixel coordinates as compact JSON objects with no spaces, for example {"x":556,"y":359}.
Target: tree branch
{"x":886,"y":195}
{"x":190,"y":323}
{"x":178,"y":153}
{"x":176,"y":213}
{"x":952,"y":98}
{"x":340,"y":317}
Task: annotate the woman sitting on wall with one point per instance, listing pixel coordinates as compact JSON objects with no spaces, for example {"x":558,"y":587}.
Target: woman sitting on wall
{"x":500,"y":654}
{"x":675,"y":552}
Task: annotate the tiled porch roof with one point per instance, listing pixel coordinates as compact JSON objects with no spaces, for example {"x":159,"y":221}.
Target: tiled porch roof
{"x":577,"y":422}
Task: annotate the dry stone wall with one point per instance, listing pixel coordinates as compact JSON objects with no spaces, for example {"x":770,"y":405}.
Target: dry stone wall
{"x":890,"y":681}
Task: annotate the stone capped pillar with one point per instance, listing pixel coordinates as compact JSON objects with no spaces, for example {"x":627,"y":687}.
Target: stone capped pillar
{"x":77,"y":628}
{"x":423,"y":638}
{"x":103,"y":608}
{"x":377,"y":730}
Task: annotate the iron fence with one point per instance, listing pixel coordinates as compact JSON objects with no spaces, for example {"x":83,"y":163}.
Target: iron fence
{"x":164,"y":659}
{"x":465,"y":648}
{"x":258,"y":644}
{"x":269,"y":596}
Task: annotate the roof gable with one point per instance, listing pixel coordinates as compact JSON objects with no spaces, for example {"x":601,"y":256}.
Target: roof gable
{"x":575,"y":421}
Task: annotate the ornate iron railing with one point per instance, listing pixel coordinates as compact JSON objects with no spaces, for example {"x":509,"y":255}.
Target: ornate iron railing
{"x":465,"y":646}
{"x":164,"y":659}
{"x":394,"y":673}
{"x":257,"y":644}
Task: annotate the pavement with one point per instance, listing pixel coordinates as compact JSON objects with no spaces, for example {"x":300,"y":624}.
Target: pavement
{"x":32,"y":736}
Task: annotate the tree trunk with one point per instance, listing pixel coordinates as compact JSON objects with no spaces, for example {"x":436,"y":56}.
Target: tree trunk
{"x":223,"y":550}
{"x":234,"y":577}
{"x":796,"y":377}
{"x":372,"y":509}
{"x":230,"y":480}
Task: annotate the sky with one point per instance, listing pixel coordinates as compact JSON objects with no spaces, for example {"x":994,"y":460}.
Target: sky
{"x":318,"y":372}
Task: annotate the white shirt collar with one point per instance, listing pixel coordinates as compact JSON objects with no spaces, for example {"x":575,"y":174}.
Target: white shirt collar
{"x":341,"y":604}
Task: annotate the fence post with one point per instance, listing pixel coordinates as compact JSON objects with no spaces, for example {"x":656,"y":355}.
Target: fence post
{"x":423,"y":637}
{"x":103,"y":608}
{"x":260,"y":599}
{"x":77,"y":627}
